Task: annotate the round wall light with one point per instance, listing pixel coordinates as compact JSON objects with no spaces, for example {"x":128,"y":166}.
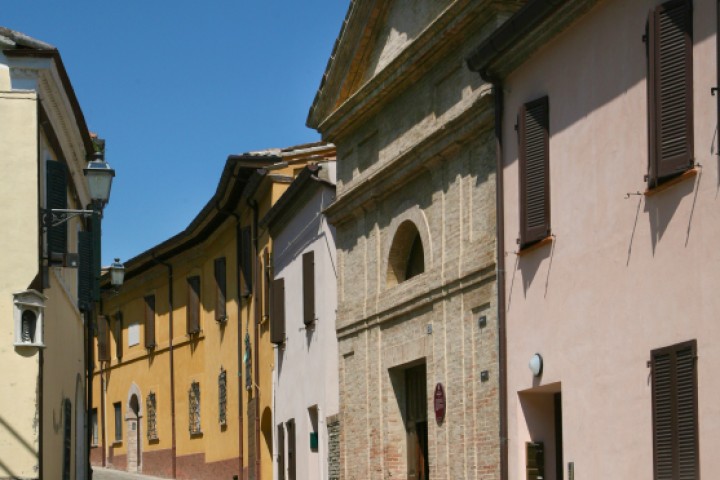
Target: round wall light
{"x":536,"y":365}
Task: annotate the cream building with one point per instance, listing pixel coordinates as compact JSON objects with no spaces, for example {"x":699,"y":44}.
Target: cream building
{"x":44,"y":146}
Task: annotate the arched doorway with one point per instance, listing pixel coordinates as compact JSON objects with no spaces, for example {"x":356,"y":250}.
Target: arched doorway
{"x":134,"y":441}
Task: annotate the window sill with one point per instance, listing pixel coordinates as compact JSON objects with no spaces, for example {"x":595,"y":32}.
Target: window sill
{"x":674,"y":181}
{"x":117,"y":443}
{"x":535,"y":246}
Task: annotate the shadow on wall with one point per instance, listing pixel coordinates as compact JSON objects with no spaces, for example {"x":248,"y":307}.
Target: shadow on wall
{"x":9,"y":430}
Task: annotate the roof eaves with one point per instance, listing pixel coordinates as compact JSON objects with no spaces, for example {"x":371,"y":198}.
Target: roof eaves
{"x":306,"y":177}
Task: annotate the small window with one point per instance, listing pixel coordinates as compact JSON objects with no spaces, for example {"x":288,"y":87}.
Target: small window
{"x":308,"y":286}
{"x":670,"y":90}
{"x":151,"y":403}
{"x":194,"y":404}
{"x":407,"y":255}
{"x":193,"y":305}
{"x":534,"y":156}
{"x":277,"y":314}
{"x":220,"y":290}
{"x":150,"y":341}
{"x":118,"y":421}
{"x":94,"y":426}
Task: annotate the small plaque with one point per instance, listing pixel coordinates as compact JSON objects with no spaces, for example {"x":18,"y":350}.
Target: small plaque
{"x":439,"y":403}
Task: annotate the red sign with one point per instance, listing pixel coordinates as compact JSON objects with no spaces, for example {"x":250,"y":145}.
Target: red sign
{"x":439,"y":403}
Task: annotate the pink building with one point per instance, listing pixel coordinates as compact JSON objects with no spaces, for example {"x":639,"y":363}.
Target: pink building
{"x":608,"y":220}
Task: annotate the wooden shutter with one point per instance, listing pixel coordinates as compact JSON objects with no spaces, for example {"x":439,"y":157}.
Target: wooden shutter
{"x":291,"y":449}
{"x":670,"y":90}
{"x":281,"y":451}
{"x":674,"y":406}
{"x":150,"y":322}
{"x":85,"y":270}
{"x":193,"y":305}
{"x":246,"y":258}
{"x":533,"y":127}
{"x":117,"y":332}
{"x":221,"y":290}
{"x":267,"y":282}
{"x":308,"y":260}
{"x":56,"y":179}
{"x":102,"y":339}
{"x":277,"y":314}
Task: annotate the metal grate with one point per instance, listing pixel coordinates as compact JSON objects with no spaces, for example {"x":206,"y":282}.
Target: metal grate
{"x":222,"y":397}
{"x":194,"y":402}
{"x":152,"y":416}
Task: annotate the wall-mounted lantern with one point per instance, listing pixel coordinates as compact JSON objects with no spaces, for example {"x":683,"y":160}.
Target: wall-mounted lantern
{"x":536,"y":365}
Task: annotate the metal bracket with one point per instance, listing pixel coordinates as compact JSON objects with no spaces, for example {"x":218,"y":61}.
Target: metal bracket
{"x":713,"y":91}
{"x":56,"y":216}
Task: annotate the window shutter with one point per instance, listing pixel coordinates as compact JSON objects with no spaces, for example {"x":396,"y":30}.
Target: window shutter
{"x":193,"y":305}
{"x":291,"y":449}
{"x":534,"y":171}
{"x":267,"y":277}
{"x":118,"y":335}
{"x":221,"y":290}
{"x":674,"y":397}
{"x":102,"y":339}
{"x":246,"y":258}
{"x":281,"y":451}
{"x":308,"y":260}
{"x":670,"y":90}
{"x":56,"y":179}
{"x":150,"y":322}
{"x":277,"y":315}
{"x":85,"y":270}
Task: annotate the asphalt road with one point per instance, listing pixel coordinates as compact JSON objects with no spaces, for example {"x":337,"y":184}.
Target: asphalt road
{"x":107,"y":474}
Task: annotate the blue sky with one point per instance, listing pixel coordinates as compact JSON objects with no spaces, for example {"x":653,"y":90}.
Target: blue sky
{"x":175,"y":87}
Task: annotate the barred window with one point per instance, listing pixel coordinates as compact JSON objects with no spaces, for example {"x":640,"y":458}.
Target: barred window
{"x":222,"y":397}
{"x":151,"y":402}
{"x":194,"y":402}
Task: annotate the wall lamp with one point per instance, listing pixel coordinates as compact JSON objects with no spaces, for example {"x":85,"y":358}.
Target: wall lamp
{"x":99,"y":177}
{"x":536,"y":365}
{"x":117,"y":273}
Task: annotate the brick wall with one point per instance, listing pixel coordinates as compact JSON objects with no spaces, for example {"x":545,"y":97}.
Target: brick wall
{"x":333,"y":426}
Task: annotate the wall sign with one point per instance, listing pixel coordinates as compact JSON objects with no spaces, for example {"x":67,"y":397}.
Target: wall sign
{"x":439,"y":403}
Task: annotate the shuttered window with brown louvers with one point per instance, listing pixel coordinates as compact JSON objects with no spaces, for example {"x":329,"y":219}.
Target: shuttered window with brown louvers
{"x":290,"y":426}
{"x":150,"y":342}
{"x":670,"y":90}
{"x":193,"y":305}
{"x":281,"y":450}
{"x":118,"y":334}
{"x":246,"y":259}
{"x":220,"y":290}
{"x":102,"y":339}
{"x":267,"y":282}
{"x":56,"y":189}
{"x":277,"y":312}
{"x":308,"y":260}
{"x":533,"y":128}
{"x":85,"y":270}
{"x":674,"y":410}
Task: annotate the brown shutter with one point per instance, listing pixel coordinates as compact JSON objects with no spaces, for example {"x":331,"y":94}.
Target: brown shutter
{"x":534,"y":149}
{"x":291,"y":449}
{"x":670,"y":90}
{"x":674,"y":405}
{"x":102,"y":339}
{"x":281,"y":451}
{"x":85,"y":270}
{"x":267,"y":279}
{"x":308,"y":260}
{"x":277,"y":314}
{"x":117,"y":331}
{"x":193,"y":305}
{"x":221,"y":290}
{"x":56,"y":190}
{"x":150,"y":322}
{"x":246,"y":258}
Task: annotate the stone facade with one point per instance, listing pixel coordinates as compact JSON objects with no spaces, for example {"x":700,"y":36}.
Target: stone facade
{"x":333,"y":427}
{"x":415,"y":154}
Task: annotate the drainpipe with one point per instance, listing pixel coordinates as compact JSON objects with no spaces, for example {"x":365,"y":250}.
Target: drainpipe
{"x":500,"y":279}
{"x":102,"y":415}
{"x":172,"y":363}
{"x":256,"y":335}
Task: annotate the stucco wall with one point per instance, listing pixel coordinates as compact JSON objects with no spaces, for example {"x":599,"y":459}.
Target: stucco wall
{"x":624,"y":275}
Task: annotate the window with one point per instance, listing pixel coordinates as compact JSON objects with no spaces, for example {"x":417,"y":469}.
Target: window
{"x":193,"y":305}
{"x":308,"y":260}
{"x":118,"y":421}
{"x":267,"y":283}
{"x":277,"y":315}
{"x":117,"y":333}
{"x":670,"y":90}
{"x":533,"y":128}
{"x":222,"y":397}
{"x":220,"y":290}
{"x":151,"y":403}
{"x":407,"y":255}
{"x":85,"y":270}
{"x":290,"y":427}
{"x":103,"y":338}
{"x":281,"y":451}
{"x":194,"y":403}
{"x":150,"y":342}
{"x":674,"y":407}
{"x":245,"y":256}
{"x":56,"y":190}
{"x":94,"y":427}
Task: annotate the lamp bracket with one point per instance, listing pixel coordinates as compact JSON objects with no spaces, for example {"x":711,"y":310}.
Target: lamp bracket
{"x":56,"y":216}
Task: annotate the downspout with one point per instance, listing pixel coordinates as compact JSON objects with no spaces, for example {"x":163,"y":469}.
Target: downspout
{"x":90,"y":363}
{"x":500,"y":250}
{"x":256,"y":336}
{"x":102,"y":415}
{"x":172,"y":364}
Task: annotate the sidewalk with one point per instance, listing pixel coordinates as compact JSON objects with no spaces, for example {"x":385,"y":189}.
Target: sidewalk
{"x":100,"y":473}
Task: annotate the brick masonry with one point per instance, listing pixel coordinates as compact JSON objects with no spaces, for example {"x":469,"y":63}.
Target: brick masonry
{"x":333,"y":426}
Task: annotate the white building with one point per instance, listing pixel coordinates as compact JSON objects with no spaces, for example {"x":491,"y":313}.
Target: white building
{"x":303,"y":304}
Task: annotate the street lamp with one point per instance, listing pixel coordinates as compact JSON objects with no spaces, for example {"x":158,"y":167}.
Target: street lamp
{"x":117,"y":273}
{"x":99,"y":177}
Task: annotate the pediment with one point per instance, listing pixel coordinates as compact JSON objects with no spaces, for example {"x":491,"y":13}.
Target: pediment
{"x":374,"y":34}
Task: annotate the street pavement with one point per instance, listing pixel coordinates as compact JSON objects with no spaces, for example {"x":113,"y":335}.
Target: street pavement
{"x":108,"y":474}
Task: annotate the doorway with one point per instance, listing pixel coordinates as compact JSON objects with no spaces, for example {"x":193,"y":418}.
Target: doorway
{"x":543,"y":439}
{"x":416,"y":423}
{"x":133,"y":422}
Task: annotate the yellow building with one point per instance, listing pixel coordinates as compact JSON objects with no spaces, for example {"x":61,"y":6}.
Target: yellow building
{"x":184,"y":384}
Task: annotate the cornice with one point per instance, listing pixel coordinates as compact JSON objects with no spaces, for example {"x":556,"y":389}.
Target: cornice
{"x":393,"y":175}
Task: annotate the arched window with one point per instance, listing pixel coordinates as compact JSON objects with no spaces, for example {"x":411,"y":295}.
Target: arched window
{"x":407,"y":255}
